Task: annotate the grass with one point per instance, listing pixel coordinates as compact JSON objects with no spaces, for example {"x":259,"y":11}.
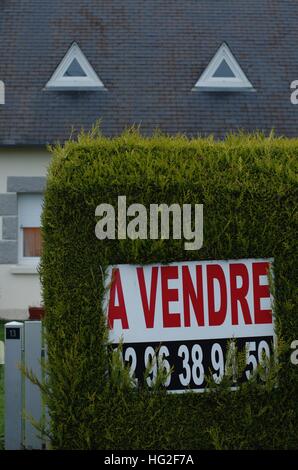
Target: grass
{"x":1,"y":393}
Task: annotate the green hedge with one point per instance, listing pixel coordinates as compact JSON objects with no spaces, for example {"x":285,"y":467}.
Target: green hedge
{"x":248,"y":185}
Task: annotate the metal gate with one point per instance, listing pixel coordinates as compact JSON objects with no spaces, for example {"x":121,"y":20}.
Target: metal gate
{"x":24,"y":405}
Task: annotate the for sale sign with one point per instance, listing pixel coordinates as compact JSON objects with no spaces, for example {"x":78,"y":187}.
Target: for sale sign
{"x":187,"y":313}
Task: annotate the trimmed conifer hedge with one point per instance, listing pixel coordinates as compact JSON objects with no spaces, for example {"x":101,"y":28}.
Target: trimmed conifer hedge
{"x":248,"y":185}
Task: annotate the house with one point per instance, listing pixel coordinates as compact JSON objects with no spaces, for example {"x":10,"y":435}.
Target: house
{"x":192,"y":67}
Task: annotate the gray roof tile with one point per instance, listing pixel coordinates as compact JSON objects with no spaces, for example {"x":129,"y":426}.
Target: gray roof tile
{"x":149,"y":55}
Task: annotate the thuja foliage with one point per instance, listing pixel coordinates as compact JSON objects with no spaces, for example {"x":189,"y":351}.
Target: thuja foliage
{"x":248,"y":185}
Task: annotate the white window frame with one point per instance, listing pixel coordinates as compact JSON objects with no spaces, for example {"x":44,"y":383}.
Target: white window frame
{"x":27,"y":260}
{"x":207,"y":82}
{"x":58,"y":82}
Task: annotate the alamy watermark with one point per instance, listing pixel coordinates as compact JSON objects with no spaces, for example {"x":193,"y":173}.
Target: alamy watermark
{"x":155,"y":223}
{"x":294,"y":94}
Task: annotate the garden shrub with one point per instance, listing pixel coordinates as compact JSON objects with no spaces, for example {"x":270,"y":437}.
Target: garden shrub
{"x":248,"y":185}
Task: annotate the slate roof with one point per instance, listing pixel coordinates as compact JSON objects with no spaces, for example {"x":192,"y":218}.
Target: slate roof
{"x":149,"y":55}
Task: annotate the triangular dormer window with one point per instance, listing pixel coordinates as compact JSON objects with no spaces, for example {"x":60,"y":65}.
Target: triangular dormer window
{"x":75,"y":70}
{"x":75,"y":73}
{"x":223,"y":73}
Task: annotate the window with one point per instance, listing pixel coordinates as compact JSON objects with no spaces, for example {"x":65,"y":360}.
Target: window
{"x":75,"y":70}
{"x":30,"y":242}
{"x":74,"y":73}
{"x":223,"y":73}
{"x":2,"y":93}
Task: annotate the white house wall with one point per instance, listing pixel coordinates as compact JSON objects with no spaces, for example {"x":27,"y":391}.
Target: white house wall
{"x":19,"y":285}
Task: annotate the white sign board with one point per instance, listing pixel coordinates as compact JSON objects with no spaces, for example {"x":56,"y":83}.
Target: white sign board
{"x":188,"y":312}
